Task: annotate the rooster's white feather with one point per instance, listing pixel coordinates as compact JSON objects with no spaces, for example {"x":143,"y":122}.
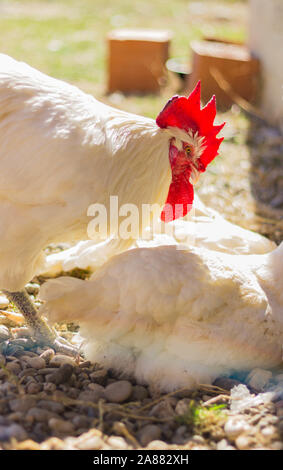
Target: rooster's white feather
{"x":61,"y":151}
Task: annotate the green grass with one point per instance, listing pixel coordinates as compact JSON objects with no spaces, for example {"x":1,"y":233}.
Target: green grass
{"x":201,"y":419}
{"x":66,"y":38}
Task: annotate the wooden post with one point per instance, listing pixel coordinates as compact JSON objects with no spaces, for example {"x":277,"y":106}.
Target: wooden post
{"x":232,"y":61}
{"x":265,"y":41}
{"x":136,"y":60}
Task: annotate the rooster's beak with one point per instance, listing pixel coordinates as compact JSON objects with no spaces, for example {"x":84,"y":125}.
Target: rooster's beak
{"x":194,"y":176}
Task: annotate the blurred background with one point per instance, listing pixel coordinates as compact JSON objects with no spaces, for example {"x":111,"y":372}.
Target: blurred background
{"x":69,"y":39}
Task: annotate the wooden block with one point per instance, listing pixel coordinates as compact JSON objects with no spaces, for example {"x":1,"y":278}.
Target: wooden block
{"x":235,"y":64}
{"x":136,"y":60}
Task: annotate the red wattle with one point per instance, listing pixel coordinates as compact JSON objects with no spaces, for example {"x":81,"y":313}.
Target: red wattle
{"x":180,"y":198}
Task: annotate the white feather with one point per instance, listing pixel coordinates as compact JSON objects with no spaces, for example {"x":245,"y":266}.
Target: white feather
{"x":173,"y":318}
{"x":61,"y":151}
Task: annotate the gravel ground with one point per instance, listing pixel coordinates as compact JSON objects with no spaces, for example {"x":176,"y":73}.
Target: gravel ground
{"x":266,"y":177}
{"x":53,"y":401}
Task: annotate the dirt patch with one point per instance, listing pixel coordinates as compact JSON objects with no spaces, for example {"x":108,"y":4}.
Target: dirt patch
{"x":53,"y":401}
{"x":266,"y":177}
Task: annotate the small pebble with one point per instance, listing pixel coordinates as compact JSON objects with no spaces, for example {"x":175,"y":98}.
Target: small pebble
{"x":13,"y":367}
{"x":99,"y":376}
{"x":49,"y":387}
{"x":35,"y":362}
{"x":179,"y":440}
{"x":243,"y":442}
{"x":32,"y":288}
{"x":73,"y":393}
{"x":61,"y":426}
{"x":258,"y":379}
{"x":139,"y":393}
{"x":30,"y":445}
{"x":157,"y":445}
{"x":25,"y":343}
{"x":4,"y":302}
{"x":84,"y":364}
{"x":269,"y":432}
{"x":181,"y":430}
{"x":47,"y":355}
{"x":182,"y":406}
{"x":268,"y":420}
{"x":162,"y":410}
{"x":96,"y":388}
{"x":39,"y":414}
{"x":16,"y":416}
{"x":280,"y":426}
{"x":235,"y":426}
{"x":279,"y":405}
{"x":149,"y":433}
{"x":226,"y":383}
{"x":93,"y":386}
{"x":8,"y":349}
{"x":4,"y":333}
{"x":30,"y":354}
{"x":80,"y":421}
{"x":278,"y":378}
{"x":224,"y":445}
{"x":51,"y":405}
{"x":33,"y":388}
{"x":12,"y":431}
{"x":48,"y":370}
{"x":22,"y":332}
{"x":29,"y":371}
{"x":198,"y":439}
{"x":277,"y":445}
{"x":118,"y":443}
{"x":118,"y":392}
{"x":92,"y":395}
{"x":61,"y":375}
{"x":60,"y":359}
{"x":90,"y":443}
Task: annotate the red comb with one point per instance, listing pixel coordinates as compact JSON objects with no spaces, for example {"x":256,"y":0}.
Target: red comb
{"x":186,"y":114}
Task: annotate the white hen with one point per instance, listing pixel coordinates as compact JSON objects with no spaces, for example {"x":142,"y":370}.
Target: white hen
{"x":173,"y":317}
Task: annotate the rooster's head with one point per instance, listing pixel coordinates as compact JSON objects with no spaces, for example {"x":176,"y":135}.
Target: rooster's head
{"x":192,"y":147}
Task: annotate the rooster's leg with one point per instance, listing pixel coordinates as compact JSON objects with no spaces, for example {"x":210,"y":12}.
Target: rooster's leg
{"x":41,"y":330}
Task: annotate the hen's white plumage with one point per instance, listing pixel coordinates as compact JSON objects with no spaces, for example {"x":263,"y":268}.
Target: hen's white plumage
{"x":174,"y":317}
{"x":203,"y":227}
{"x":61,"y":151}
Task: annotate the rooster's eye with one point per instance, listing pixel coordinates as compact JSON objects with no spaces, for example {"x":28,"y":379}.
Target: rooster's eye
{"x":188,"y":150}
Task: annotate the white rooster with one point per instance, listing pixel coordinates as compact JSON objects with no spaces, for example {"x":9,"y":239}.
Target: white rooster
{"x":173,"y":318}
{"x":62,"y":151}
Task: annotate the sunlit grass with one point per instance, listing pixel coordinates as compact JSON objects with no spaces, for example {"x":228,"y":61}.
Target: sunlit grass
{"x":67,"y":38}
{"x":201,"y":419}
